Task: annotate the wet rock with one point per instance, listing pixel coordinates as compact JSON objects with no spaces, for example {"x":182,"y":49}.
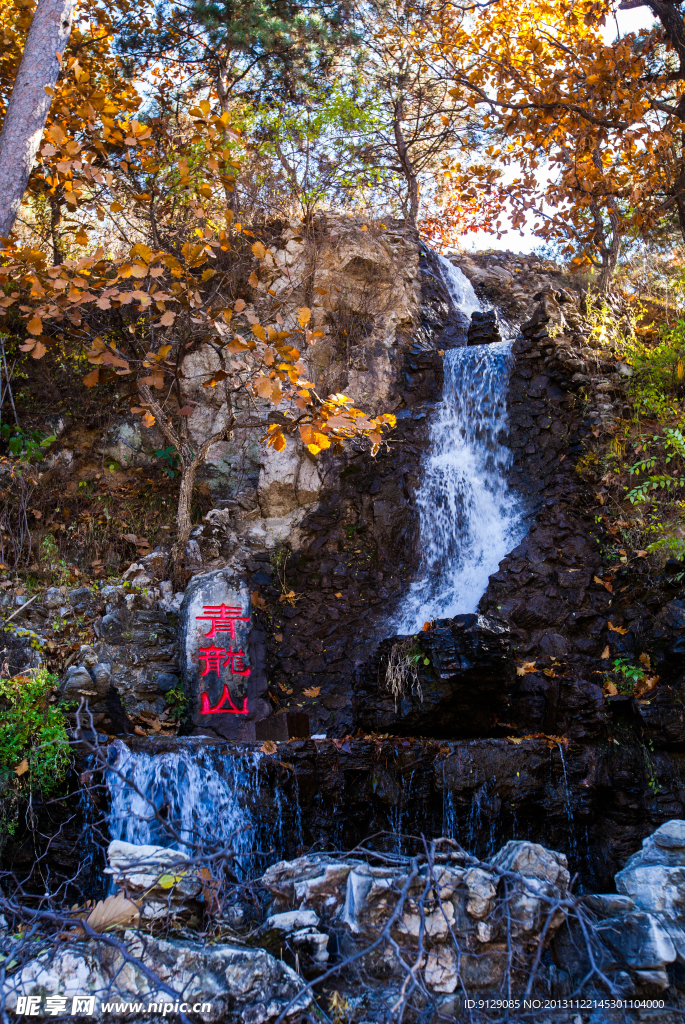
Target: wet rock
{"x":161,"y":876}
{"x":484,"y":328}
{"x":292,"y":920}
{"x":464,"y":670}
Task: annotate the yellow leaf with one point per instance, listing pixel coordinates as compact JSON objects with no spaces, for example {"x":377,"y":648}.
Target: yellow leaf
{"x":22,"y":767}
{"x":167,"y":881}
{"x":148,"y":419}
{"x":514,"y":739}
{"x":259,"y":332}
{"x":312,"y":691}
{"x":259,"y":250}
{"x":116,"y":207}
{"x":35,"y":325}
{"x":269,"y":747}
{"x":605,"y":653}
{"x":304,"y":315}
{"x":278,"y":442}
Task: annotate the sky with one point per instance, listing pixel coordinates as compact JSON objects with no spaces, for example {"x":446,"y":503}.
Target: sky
{"x":514,"y":241}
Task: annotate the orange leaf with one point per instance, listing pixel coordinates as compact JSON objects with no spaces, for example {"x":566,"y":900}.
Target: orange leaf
{"x":605,"y":653}
{"x":313,"y":691}
{"x":39,"y":350}
{"x":259,"y":332}
{"x":617,"y":629}
{"x":304,"y":315}
{"x":35,"y":325}
{"x":239,"y":306}
{"x":167,"y":319}
{"x":269,"y":747}
{"x":148,"y":419}
{"x":253,"y":280}
{"x":259,"y":250}
{"x":92,"y":378}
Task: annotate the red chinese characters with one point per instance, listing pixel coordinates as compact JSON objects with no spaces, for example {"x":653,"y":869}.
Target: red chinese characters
{"x":223,"y":619}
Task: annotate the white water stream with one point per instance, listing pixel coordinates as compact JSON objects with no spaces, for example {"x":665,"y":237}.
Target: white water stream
{"x":469,"y":518}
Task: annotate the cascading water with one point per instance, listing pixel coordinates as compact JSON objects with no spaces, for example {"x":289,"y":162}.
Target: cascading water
{"x":469,"y":518}
{"x":203,"y":796}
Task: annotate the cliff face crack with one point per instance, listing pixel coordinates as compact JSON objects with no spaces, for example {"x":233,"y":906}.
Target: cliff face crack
{"x":469,"y":517}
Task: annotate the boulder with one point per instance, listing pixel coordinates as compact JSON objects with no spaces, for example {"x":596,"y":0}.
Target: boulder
{"x":229,"y":984}
{"x":484,"y":328}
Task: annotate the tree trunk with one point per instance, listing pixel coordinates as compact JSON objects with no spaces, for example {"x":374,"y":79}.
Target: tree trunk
{"x":29,"y":103}
{"x":183,"y":514}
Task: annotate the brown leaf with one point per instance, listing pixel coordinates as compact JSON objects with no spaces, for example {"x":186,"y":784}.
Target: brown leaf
{"x":603,"y":583}
{"x":112,"y":911}
{"x":605,"y":653}
{"x":312,"y":691}
{"x":253,"y":280}
{"x":22,"y":767}
{"x":269,"y":747}
{"x":138,"y":731}
{"x":239,"y":306}
{"x":617,"y":629}
{"x":92,"y":378}
{"x":527,"y":666}
{"x":645,"y":660}
{"x":167,"y":319}
{"x":130,"y":537}
{"x":39,"y":350}
{"x":187,"y":410}
{"x":35,"y":325}
{"x":609,"y":689}
{"x":641,"y":554}
{"x":257,"y":601}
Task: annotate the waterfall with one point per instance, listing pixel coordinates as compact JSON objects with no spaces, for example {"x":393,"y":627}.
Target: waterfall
{"x":206,"y":797}
{"x":469,"y":518}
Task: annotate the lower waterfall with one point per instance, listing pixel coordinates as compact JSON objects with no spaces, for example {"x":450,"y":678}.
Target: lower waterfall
{"x":469,"y":518}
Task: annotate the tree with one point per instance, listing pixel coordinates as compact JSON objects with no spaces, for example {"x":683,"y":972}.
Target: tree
{"x":416,"y":119}
{"x":177,"y":286}
{"x":27,"y":111}
{"x":603,"y":117}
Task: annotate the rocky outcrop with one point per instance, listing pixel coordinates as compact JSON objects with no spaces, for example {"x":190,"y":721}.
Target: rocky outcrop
{"x":225,"y":983}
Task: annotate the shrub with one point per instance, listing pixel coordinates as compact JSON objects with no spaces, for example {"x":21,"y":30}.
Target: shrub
{"x":33,"y":735}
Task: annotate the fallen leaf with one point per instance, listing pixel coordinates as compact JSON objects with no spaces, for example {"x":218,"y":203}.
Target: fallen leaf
{"x":148,"y":419}
{"x":514,"y":739}
{"x":610,"y":689}
{"x":312,"y":691}
{"x":605,"y":653}
{"x":269,"y":747}
{"x":187,"y":410}
{"x":257,"y":601}
{"x":156,"y":725}
{"x":22,"y":767}
{"x":641,"y":554}
{"x":130,"y":537}
{"x":138,"y":731}
{"x":645,"y":660}
{"x":617,"y":629}
{"x":278,"y":637}
{"x":112,"y":911}
{"x":527,"y":666}
{"x":338,"y":595}
{"x":304,"y":315}
{"x":167,"y":881}
{"x":603,"y":583}
{"x":253,"y":280}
